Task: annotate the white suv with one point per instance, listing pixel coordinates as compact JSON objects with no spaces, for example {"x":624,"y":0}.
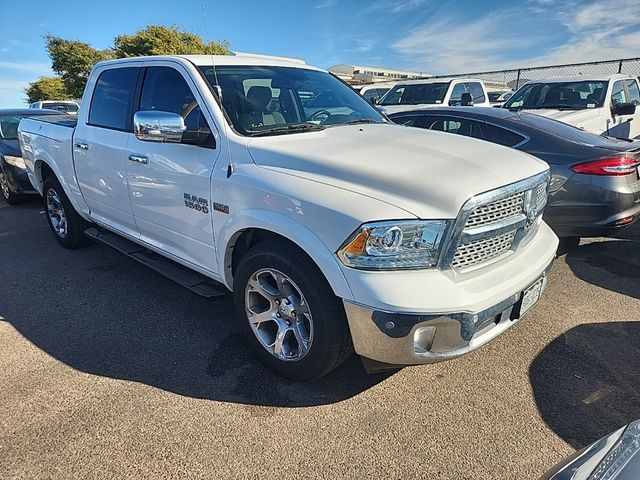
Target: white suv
{"x":410,"y":94}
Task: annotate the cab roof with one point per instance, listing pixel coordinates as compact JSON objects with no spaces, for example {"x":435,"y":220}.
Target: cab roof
{"x":239,"y":59}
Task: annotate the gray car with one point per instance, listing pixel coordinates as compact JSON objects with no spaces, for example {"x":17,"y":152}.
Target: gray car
{"x":595,"y":185}
{"x":614,"y":457}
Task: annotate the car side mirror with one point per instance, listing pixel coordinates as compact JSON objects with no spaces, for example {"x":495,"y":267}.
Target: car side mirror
{"x":156,"y":126}
{"x":466,"y":100}
{"x":624,"y":109}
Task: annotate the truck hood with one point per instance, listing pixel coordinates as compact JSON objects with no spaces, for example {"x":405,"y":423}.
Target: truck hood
{"x":428,"y":174}
{"x":572,"y":117}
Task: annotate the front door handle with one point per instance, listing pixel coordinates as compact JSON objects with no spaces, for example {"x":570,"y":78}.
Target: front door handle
{"x":138,"y":159}
{"x":81,"y":146}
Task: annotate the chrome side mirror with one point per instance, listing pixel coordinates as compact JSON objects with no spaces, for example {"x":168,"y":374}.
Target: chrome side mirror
{"x":154,"y":126}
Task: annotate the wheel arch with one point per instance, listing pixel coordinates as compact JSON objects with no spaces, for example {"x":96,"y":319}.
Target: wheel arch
{"x":43,"y":168}
{"x":250,"y":228}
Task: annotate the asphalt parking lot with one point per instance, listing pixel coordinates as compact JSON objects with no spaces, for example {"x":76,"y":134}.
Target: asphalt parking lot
{"x":108,"y":370}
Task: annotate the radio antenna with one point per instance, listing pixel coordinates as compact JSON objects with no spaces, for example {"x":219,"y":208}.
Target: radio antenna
{"x":213,"y":63}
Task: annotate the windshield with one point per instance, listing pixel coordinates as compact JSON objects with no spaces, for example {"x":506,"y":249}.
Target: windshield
{"x":9,"y":125}
{"x":61,"y":106}
{"x":559,"y":95}
{"x":416,"y":94}
{"x":280,"y":100}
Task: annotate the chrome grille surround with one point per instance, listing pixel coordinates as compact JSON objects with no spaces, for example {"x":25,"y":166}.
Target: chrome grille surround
{"x":492,"y":225}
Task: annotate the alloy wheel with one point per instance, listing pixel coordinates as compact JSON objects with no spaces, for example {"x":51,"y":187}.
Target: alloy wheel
{"x":55,"y":210}
{"x":279,"y":315}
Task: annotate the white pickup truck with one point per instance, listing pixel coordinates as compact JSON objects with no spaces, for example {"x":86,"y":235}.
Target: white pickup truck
{"x":335,"y":230}
{"x":605,"y":105}
{"x":434,"y":92}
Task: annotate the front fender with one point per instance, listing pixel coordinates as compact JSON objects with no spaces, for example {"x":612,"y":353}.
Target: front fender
{"x":289,"y":228}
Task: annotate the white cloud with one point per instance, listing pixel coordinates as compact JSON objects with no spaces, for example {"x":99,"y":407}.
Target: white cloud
{"x":393,"y":6}
{"x":27,"y":67}
{"x":557,"y":31}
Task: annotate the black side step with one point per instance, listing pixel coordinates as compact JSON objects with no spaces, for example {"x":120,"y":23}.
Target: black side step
{"x":194,"y":281}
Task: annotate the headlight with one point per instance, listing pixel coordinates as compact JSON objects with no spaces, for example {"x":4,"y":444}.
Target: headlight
{"x":15,"y":161}
{"x":620,"y":455}
{"x":394,"y":245}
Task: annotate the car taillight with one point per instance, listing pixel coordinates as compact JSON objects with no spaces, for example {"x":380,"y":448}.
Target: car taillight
{"x":611,"y":166}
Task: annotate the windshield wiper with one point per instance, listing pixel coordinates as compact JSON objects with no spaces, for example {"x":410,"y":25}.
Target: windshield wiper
{"x":284,"y":129}
{"x":361,"y":120}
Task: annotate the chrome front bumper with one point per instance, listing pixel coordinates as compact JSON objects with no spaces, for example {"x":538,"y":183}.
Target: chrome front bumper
{"x":414,"y":339}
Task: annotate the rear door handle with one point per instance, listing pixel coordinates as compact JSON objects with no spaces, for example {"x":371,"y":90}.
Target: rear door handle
{"x":81,"y":146}
{"x":138,"y":159}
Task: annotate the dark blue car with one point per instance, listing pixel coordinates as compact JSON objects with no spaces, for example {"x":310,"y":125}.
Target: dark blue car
{"x":14,"y":181}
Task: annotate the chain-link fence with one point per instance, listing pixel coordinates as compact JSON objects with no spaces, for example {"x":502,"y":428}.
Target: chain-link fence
{"x":515,"y":78}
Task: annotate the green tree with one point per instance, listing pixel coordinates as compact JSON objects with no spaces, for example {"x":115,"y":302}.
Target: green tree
{"x":161,"y":40}
{"x":46,"y":88}
{"x":73,"y":60}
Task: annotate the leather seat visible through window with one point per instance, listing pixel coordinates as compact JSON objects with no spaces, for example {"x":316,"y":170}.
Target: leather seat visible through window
{"x":255,"y":113}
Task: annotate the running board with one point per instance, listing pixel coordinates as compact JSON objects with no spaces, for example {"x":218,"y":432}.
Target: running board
{"x":194,"y":281}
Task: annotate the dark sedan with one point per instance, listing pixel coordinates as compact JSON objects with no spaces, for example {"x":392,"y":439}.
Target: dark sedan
{"x":595,"y":184}
{"x":14,"y":181}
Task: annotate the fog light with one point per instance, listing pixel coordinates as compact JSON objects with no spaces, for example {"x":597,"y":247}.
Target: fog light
{"x":423,"y":339}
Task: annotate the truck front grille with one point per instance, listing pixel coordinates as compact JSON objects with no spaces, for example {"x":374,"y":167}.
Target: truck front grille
{"x":496,"y":211}
{"x":492,"y":225}
{"x":480,"y":251}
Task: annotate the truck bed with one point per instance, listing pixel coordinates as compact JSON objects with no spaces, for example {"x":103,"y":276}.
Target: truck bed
{"x":63,"y":120}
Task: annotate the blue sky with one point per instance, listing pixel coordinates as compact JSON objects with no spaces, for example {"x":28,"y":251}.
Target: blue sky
{"x":433,"y":36}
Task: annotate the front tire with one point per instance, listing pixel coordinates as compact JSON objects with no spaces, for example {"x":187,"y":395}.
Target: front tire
{"x":9,"y":196}
{"x":67,"y":226}
{"x":289,"y":313}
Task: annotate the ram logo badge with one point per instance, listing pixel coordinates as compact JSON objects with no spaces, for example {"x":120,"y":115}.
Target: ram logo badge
{"x":197,"y":203}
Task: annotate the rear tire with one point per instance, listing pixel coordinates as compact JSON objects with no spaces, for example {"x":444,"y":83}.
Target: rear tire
{"x":289,"y":313}
{"x":67,"y":226}
{"x":9,"y":196}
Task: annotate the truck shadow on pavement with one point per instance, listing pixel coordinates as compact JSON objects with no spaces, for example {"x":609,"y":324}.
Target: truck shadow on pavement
{"x":586,"y":382}
{"x":613,"y":264}
{"x":102,"y":313}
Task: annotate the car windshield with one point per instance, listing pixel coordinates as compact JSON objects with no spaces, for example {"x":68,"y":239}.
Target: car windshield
{"x":9,"y":125}
{"x":559,"y":95}
{"x":281,"y":100}
{"x":61,"y":106}
{"x":416,"y":94}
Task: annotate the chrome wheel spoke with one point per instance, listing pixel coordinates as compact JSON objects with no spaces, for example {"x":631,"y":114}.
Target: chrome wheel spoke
{"x":303,"y":343}
{"x":258,"y":318}
{"x":279,"y":315}
{"x":55,"y":211}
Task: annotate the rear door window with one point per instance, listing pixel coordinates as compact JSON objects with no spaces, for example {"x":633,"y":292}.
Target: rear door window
{"x":502,"y":136}
{"x":112,"y":98}
{"x":460,"y":126}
